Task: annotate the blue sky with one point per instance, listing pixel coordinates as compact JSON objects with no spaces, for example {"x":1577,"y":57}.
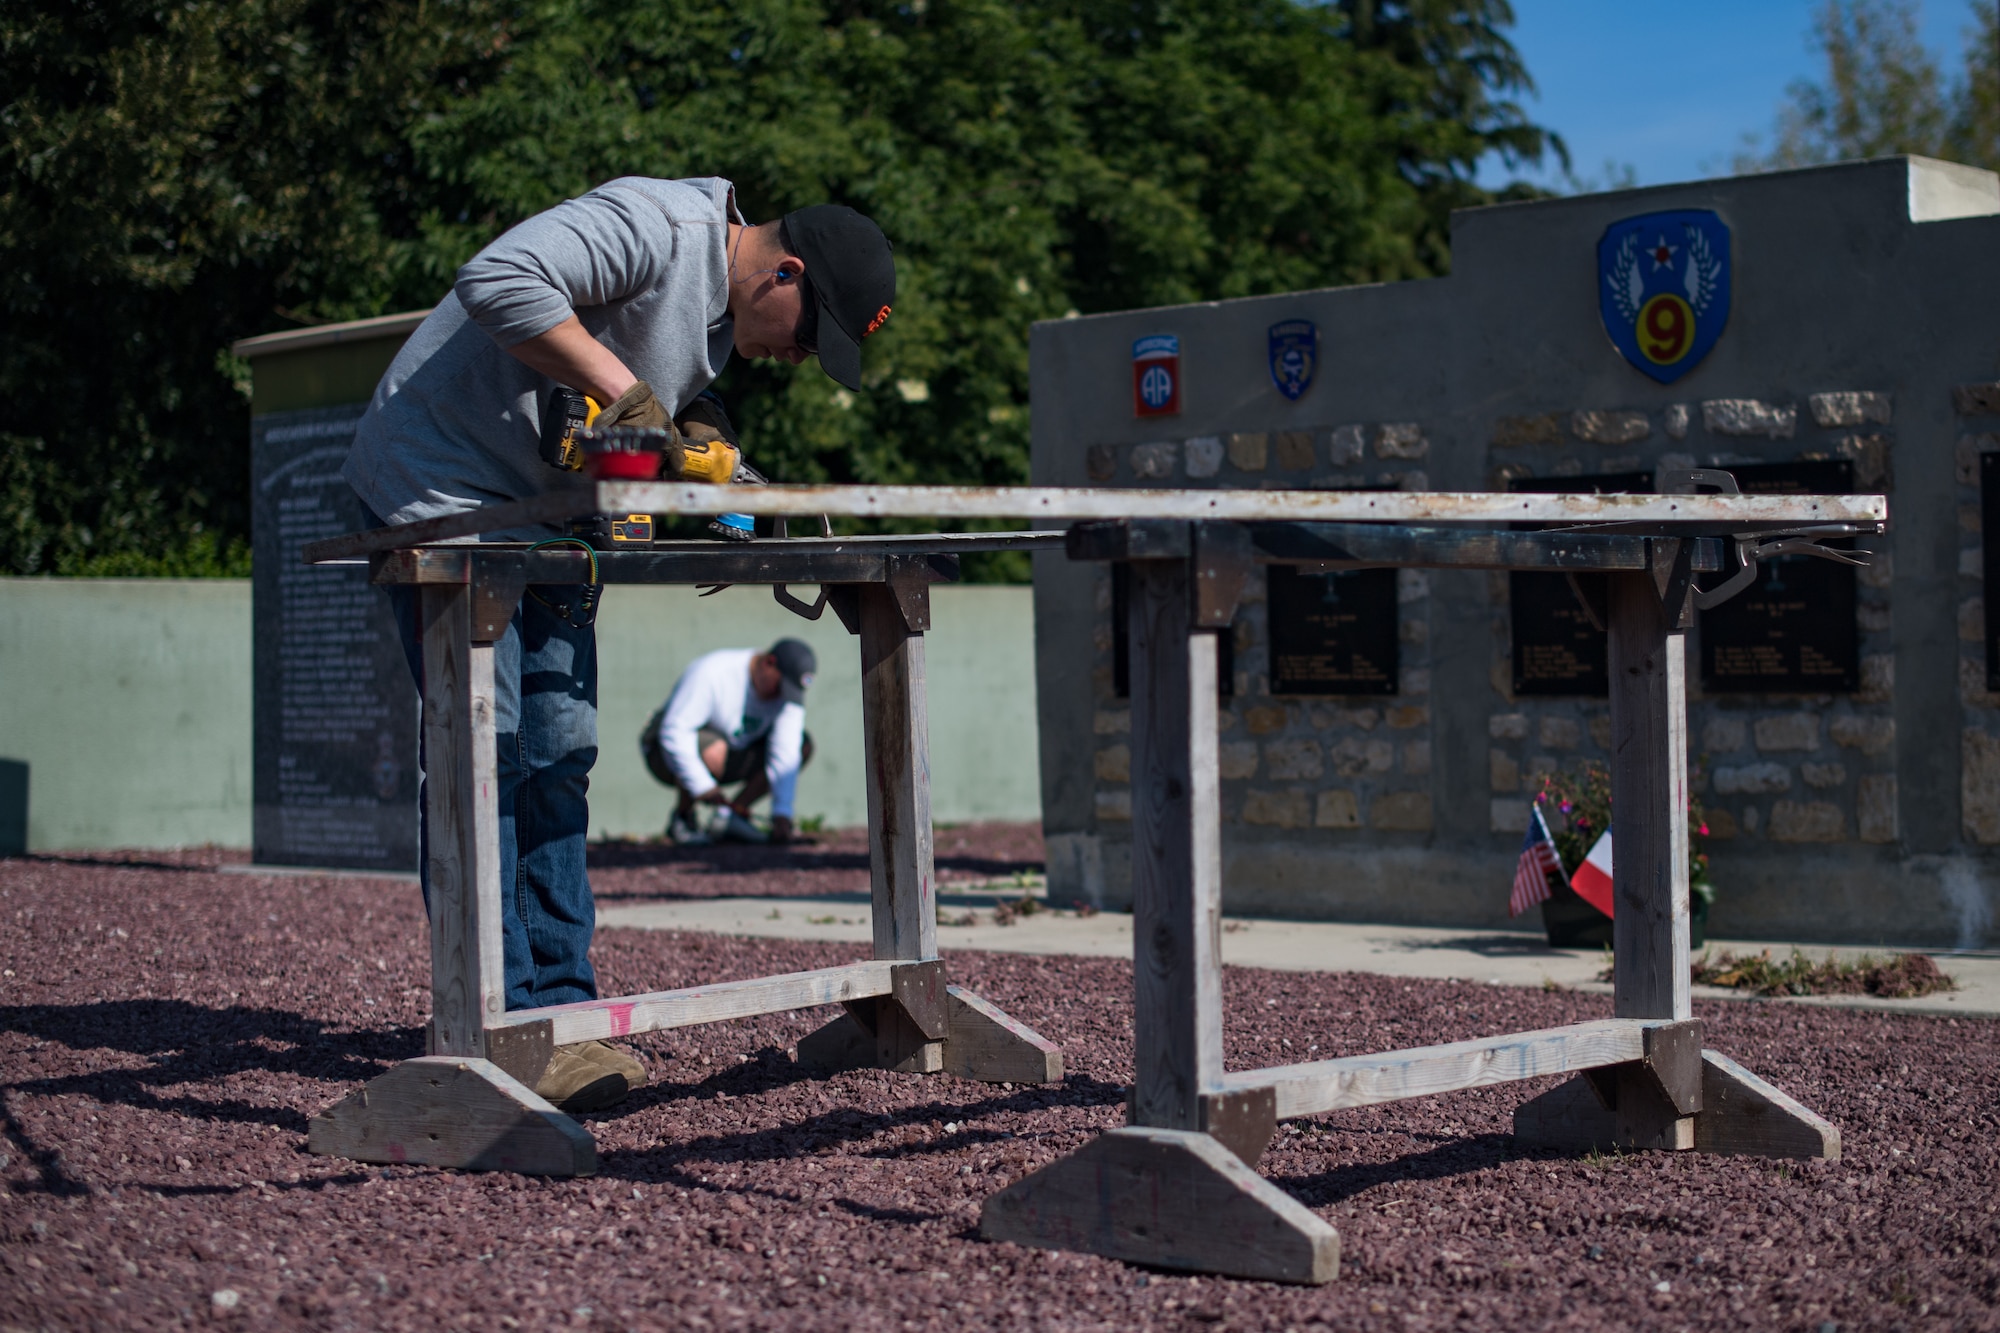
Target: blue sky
{"x":1671,"y":89}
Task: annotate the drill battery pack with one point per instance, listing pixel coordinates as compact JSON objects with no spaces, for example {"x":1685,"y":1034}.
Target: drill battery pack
{"x":606,"y":532}
{"x":566,"y":413}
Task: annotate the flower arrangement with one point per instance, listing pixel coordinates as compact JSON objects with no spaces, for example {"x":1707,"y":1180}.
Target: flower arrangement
{"x":1577,"y":808}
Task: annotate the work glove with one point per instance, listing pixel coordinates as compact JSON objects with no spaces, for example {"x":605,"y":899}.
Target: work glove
{"x":635,"y":407}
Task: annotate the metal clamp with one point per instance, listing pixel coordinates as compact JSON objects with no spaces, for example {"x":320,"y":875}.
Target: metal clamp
{"x":1749,"y":550}
{"x":783,"y":595}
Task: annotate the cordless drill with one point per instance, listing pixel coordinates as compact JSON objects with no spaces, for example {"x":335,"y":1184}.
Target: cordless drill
{"x":702,"y":448}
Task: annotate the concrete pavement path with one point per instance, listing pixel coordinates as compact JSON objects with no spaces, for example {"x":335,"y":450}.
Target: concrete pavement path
{"x":1497,"y":957}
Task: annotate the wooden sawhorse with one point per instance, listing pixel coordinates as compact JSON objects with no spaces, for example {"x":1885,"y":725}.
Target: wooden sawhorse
{"x":1177,"y":1188}
{"x":470,"y":1102}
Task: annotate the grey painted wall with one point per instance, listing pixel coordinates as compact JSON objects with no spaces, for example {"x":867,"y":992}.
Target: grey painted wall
{"x":130,"y":703}
{"x":1880,"y":810}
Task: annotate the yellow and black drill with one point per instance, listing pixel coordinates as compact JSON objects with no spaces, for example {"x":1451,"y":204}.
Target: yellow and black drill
{"x":703,"y":448}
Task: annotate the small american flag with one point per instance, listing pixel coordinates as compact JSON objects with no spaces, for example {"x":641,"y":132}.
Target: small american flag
{"x":1538,"y":861}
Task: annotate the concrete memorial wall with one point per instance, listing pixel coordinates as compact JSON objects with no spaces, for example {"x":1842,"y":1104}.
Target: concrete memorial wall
{"x":334,"y":769}
{"x":1829,"y":330}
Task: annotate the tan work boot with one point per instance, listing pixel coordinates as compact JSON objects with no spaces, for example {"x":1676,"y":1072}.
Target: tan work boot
{"x":606,"y":1056}
{"x":572,"y":1083}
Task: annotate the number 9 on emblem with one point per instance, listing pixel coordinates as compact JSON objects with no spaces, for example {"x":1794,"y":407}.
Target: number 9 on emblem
{"x":1666,"y":329}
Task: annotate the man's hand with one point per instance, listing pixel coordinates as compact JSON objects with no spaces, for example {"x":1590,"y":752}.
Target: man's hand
{"x":635,"y":407}
{"x":781,"y":828}
{"x":713,"y":796}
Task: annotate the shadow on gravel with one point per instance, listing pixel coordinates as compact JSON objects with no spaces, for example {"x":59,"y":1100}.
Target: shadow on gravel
{"x":1455,"y":1157}
{"x":188,"y":1043}
{"x":841,"y":1125}
{"x":723,"y":859}
{"x":1490,"y":946}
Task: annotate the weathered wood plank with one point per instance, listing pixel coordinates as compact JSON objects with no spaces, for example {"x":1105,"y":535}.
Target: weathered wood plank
{"x":1648,"y":669}
{"x":453,"y":1112}
{"x":896,"y":730}
{"x":1171,"y":1198}
{"x":987,"y":1045}
{"x":621,"y":1016}
{"x":1369,"y":1080}
{"x":1058,"y":503}
{"x":1742,"y":1114}
{"x":463,"y":813}
{"x":1176,"y":854}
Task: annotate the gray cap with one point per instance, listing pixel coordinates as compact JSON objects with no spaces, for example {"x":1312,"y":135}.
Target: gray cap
{"x":796,"y":665}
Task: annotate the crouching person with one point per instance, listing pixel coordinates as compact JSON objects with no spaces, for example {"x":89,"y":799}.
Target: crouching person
{"x":736,"y":716}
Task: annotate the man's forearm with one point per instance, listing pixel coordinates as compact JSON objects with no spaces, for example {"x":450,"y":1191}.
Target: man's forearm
{"x":568,"y":355}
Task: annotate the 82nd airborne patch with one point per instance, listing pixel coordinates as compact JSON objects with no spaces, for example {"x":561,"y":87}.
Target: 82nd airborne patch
{"x":1663,"y":288}
{"x":1156,"y":376}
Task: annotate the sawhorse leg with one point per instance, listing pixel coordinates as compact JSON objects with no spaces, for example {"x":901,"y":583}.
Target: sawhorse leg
{"x":470,"y":1103}
{"x":1681,"y":1096}
{"x":1174,"y":1188}
{"x":927,"y":1026}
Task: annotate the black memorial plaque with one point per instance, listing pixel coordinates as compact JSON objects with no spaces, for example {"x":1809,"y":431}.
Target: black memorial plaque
{"x":1332,"y":633}
{"x":1989,"y":548}
{"x":1556,"y":648}
{"x":1121,"y":641}
{"x":1792,"y":631}
{"x":335,"y":713}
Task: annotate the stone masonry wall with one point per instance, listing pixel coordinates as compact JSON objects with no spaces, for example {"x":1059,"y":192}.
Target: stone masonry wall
{"x":1777,"y":767}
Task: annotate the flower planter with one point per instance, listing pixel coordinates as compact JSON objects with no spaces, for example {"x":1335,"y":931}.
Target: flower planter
{"x":1572,"y":923}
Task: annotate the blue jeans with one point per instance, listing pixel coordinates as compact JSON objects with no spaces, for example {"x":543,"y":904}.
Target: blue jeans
{"x":545,"y":732}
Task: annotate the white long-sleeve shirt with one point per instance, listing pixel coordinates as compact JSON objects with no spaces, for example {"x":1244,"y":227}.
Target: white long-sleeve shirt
{"x":714,"y":692}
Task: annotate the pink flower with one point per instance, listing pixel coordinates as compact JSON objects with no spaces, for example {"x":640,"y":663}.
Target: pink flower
{"x":1704,"y":830}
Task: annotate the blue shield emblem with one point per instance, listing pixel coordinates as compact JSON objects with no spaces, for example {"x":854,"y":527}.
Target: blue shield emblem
{"x":1294,"y":356}
{"x":1663,"y":288}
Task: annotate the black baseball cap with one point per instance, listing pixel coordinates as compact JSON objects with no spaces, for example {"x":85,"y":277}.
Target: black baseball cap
{"x":850,"y":278}
{"x":796,"y":665}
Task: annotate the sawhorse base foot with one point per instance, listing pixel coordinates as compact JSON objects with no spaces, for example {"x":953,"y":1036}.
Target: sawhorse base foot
{"x":454,"y":1111}
{"x":880,"y":1043}
{"x":980,"y":1042}
{"x":1742,"y":1114}
{"x":1167,"y":1197}
{"x":1616,"y":1108}
{"x":985,"y":1044}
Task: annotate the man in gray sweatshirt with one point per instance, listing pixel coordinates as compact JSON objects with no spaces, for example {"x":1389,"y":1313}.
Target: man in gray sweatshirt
{"x":634,"y":294}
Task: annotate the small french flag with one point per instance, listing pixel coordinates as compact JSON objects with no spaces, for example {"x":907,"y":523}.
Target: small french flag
{"x":1592,"y":880}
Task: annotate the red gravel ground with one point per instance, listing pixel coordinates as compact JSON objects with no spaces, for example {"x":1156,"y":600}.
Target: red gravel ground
{"x":166,"y":1031}
{"x":832,"y":863}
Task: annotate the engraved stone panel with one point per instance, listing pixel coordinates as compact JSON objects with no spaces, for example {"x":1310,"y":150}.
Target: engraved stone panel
{"x":1333,"y":633}
{"x":334,"y":765}
{"x":1794,"y":629}
{"x":1556,"y":648}
{"x":1989,"y":550}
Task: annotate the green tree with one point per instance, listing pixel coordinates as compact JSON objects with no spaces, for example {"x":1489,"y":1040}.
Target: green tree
{"x":1883,"y":93}
{"x":1030,"y":160}
{"x":177,"y":177}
